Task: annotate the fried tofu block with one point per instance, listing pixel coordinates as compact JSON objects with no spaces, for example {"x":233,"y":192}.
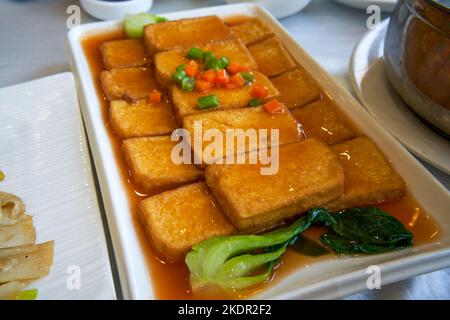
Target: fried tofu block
{"x":184,"y":33}
{"x":152,"y":167}
{"x":297,"y":88}
{"x":178,"y":219}
{"x":322,"y":120}
{"x":125,"y":53}
{"x":167,"y":61}
{"x":185,"y":103}
{"x":309,"y":176}
{"x":251,"y":31}
{"x":246,"y":123}
{"x":271,"y":57}
{"x":141,"y":119}
{"x":369,"y":178}
{"x":130,"y":84}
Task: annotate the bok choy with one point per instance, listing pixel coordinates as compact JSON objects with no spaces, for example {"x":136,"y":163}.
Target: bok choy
{"x":237,"y":262}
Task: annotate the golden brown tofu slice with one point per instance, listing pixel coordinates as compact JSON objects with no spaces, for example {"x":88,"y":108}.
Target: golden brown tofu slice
{"x":309,"y":176}
{"x":246,"y":124}
{"x":369,"y":178}
{"x":166,"y":62}
{"x":141,"y":119}
{"x":127,"y":53}
{"x":130,"y":84}
{"x":184,"y":33}
{"x":297,"y":88}
{"x":151,"y":165}
{"x":185,"y":103}
{"x":251,"y":31}
{"x":322,"y":120}
{"x":271,"y":57}
{"x":178,"y":219}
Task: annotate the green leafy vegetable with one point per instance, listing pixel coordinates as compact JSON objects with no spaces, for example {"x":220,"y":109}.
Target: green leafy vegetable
{"x":364,"y":230}
{"x":308,"y":247}
{"x":134,"y":24}
{"x":230,"y":262}
{"x":28,"y":295}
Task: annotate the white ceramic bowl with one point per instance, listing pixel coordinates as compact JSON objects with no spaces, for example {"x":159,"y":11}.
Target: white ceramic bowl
{"x":279,"y":8}
{"x":114,"y":10}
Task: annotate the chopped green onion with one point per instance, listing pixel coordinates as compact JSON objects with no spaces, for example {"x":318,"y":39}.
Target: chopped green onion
{"x":28,"y":295}
{"x":223,"y":62}
{"x":134,"y":24}
{"x":212,"y":64}
{"x":208,"y":55}
{"x":180,"y":67}
{"x":207,"y":102}
{"x":178,"y":76}
{"x":195,"y":53}
{"x":187,"y":84}
{"x":248,"y":77}
{"x":254,"y":102}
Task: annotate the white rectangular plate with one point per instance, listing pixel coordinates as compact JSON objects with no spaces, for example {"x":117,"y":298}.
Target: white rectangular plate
{"x":330,"y":279}
{"x":45,"y":157}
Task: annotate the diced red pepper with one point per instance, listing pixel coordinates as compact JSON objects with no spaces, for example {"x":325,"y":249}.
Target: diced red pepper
{"x":203,"y":86}
{"x":155,"y":96}
{"x":231,"y":85}
{"x":191,"y":68}
{"x":273,"y":107}
{"x":238,"y":80}
{"x":259,"y":91}
{"x":236,"y":67}
{"x":222,"y":77}
{"x":209,"y":76}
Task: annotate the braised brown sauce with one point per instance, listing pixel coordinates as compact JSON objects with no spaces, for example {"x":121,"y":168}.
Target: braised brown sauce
{"x":170,"y":280}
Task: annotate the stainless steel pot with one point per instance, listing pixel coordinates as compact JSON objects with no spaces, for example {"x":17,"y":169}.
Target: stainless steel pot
{"x":417,"y":58}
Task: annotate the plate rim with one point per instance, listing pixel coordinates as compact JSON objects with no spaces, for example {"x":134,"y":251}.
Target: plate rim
{"x":355,"y":86}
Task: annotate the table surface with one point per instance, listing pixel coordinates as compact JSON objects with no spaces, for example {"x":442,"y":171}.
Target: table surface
{"x":32,"y":35}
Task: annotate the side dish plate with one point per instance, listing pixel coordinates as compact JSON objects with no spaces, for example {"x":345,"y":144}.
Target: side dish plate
{"x":328,"y":279}
{"x":46,"y":161}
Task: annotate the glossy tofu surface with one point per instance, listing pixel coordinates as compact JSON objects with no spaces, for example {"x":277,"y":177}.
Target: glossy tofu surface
{"x":184,"y":33}
{"x":125,"y":53}
{"x":185,"y":103}
{"x":166,"y":62}
{"x":250,"y":120}
{"x":152,"y":167}
{"x":297,"y":88}
{"x":310,"y":175}
{"x":271,"y":57}
{"x":141,"y":119}
{"x":322,"y":120}
{"x":130,"y":84}
{"x":251,"y":31}
{"x":178,"y":219}
{"x":369,"y":178}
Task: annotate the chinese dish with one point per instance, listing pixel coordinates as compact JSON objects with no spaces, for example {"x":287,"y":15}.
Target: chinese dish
{"x":211,"y":228}
{"x":21,"y":259}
